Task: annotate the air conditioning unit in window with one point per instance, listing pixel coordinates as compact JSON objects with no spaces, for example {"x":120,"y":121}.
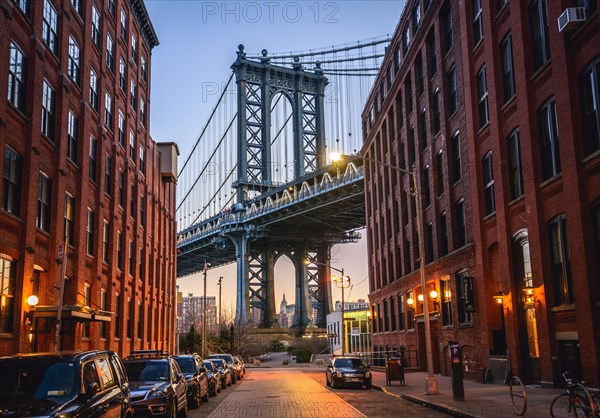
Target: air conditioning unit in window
{"x":571,"y":19}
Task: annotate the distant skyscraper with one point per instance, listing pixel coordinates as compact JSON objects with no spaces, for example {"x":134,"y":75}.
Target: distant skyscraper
{"x":191,"y":311}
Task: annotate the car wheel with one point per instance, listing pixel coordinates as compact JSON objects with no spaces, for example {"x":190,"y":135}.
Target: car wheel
{"x":233,"y":379}
{"x":183,"y":412}
{"x":368,"y":384}
{"x":205,"y":397}
{"x":333,"y":384}
{"x":327,"y":380}
{"x":195,"y":401}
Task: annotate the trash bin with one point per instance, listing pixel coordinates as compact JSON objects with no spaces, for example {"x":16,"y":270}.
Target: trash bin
{"x":394,"y":371}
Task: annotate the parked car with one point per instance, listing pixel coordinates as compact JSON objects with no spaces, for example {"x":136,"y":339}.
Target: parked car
{"x":91,"y":383}
{"x":348,"y":371}
{"x":225,"y":372}
{"x":158,"y":388}
{"x":214,"y":377}
{"x":192,"y":367}
{"x":241,"y":365}
{"x":235,"y":370}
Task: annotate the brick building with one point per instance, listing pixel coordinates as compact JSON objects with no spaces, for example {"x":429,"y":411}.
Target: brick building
{"x":78,"y":163}
{"x":498,"y":112}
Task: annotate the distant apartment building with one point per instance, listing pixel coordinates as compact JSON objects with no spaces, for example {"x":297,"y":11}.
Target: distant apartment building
{"x":357,"y":327}
{"x":495,"y":106}
{"x":192,"y":312}
{"x":359,"y":304}
{"x":88,"y":197}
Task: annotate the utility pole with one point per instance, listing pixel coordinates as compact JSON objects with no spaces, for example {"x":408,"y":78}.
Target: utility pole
{"x":204,"y":313}
{"x":61,"y":291}
{"x":220,"y":280}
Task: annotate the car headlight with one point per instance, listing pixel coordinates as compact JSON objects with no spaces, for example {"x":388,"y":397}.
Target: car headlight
{"x":367,"y":375}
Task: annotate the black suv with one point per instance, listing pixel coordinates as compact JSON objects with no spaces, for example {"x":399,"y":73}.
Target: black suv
{"x":348,"y":371}
{"x":233,"y":367}
{"x":214,"y":377}
{"x":64,"y":384}
{"x":158,"y":388}
{"x":194,"y":371}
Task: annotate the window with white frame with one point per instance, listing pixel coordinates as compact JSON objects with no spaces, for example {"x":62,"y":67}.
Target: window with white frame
{"x":72,"y":136}
{"x":89,"y":232}
{"x":122,"y":75}
{"x":123,"y":24}
{"x":69,"y":230}
{"x":132,"y":94}
{"x":477,"y":21}
{"x":110,"y":52}
{"x":108,"y":111}
{"x":50,"y":27}
{"x":482,"y":97}
{"x":488,"y":184}
{"x":96,"y":26}
{"x":16,"y":77}
{"x":93,"y":89}
{"x":48,"y":111}
{"x":105,"y":239}
{"x":121,"y":129}
{"x":93,"y":164}
{"x":43,"y":209}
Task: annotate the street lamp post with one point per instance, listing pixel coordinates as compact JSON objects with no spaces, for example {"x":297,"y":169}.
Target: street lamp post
{"x":204,"y":314}
{"x":431,"y":385}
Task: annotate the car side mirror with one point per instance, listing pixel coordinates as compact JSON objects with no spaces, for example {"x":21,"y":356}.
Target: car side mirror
{"x":92,"y":390}
{"x":202,"y":369}
{"x":329,"y":366}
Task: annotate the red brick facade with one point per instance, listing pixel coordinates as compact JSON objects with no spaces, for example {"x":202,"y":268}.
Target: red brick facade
{"x":118,"y":293}
{"x":527,"y":117}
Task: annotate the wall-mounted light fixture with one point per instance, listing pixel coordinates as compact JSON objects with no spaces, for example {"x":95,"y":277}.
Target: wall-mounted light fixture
{"x":529,"y":299}
{"x":499,"y":297}
{"x":410,"y":302}
{"x":433,"y":295}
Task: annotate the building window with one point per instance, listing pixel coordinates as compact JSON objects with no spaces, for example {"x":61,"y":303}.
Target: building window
{"x":131,"y":265}
{"x":123,"y":24}
{"x":515,"y":175}
{"x":103,"y":327}
{"x":143,"y":68}
{"x":108,"y":111}
{"x":410,"y":310}
{"x":89,"y":232}
{"x":436,"y":112}
{"x":562,"y":284}
{"x":386,"y":322}
{"x":426,"y":187}
{"x":87,"y":298}
{"x":50,"y":27}
{"x":404,"y":207}
{"x":405,"y":39}
{"x":78,"y":6}
{"x":122,"y":75}
{"x":420,"y":78}
{"x":119,"y":250}
{"x":93,"y":90}
{"x":95,"y":26}
{"x":482,"y":97}
{"x":132,"y":202}
{"x":423,"y":130}
{"x":407,"y":263}
{"x":463,"y":299}
{"x":409,"y":95}
{"x":23,"y":5}
{"x":110,"y":53}
{"x":401,"y":315}
{"x":43,"y":209}
{"x":477,"y":21}
{"x":431,"y":55}
{"x":117,"y":313}
{"x":416,"y":17}
{"x":508,"y":73}
{"x":122,"y":179}
{"x":11,"y":182}
{"x":590,"y":94}
{"x":142,"y":213}
{"x":8,"y":276}
{"x":539,"y":33}
{"x":439,"y":171}
{"x":393,"y":314}
{"x":443,"y":246}
{"x":132,"y":94}
{"x":74,"y":64}
{"x":121,"y":130}
{"x":429,"y":243}
{"x":107,"y":174}
{"x":452,"y":93}
{"x":447,"y":28}
{"x":456,"y":163}
{"x":446,"y":295}
{"x":72,"y":135}
{"x":140,"y":329}
{"x":488,"y":183}
{"x":112,"y":7}
{"x":132,"y":145}
{"x":16,"y":77}
{"x":142,"y":111}
{"x":461,"y":227}
{"x":133,"y":48}
{"x":93,"y":167}
{"x":69,"y":231}
{"x":411,"y":146}
{"x":142,"y":163}
{"x":48,"y":111}
{"x":549,"y":140}
{"x":105,"y":239}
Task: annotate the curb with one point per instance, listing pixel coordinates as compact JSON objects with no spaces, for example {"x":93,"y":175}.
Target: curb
{"x":431,"y":405}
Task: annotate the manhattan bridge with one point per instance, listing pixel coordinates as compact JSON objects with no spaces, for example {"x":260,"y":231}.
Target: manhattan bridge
{"x":259,"y":182}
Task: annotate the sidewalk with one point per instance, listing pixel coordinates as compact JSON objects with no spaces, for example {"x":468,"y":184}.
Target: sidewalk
{"x":481,"y":400}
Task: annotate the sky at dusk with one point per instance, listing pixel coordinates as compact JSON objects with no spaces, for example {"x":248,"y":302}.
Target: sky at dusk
{"x":198,"y":41}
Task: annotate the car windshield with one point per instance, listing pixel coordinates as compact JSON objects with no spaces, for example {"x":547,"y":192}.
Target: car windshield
{"x":151,"y":371}
{"x":352,"y":363}
{"x":209,"y":366}
{"x":186,"y":364}
{"x":35,"y":379}
{"x":219,"y":364}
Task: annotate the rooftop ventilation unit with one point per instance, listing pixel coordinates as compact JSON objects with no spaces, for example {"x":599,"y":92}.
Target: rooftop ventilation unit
{"x":571,"y":19}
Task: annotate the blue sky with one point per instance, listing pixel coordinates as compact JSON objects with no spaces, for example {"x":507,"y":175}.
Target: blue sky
{"x":198,"y":41}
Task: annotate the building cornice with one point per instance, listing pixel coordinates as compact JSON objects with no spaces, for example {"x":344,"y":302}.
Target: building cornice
{"x":142,"y":18}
